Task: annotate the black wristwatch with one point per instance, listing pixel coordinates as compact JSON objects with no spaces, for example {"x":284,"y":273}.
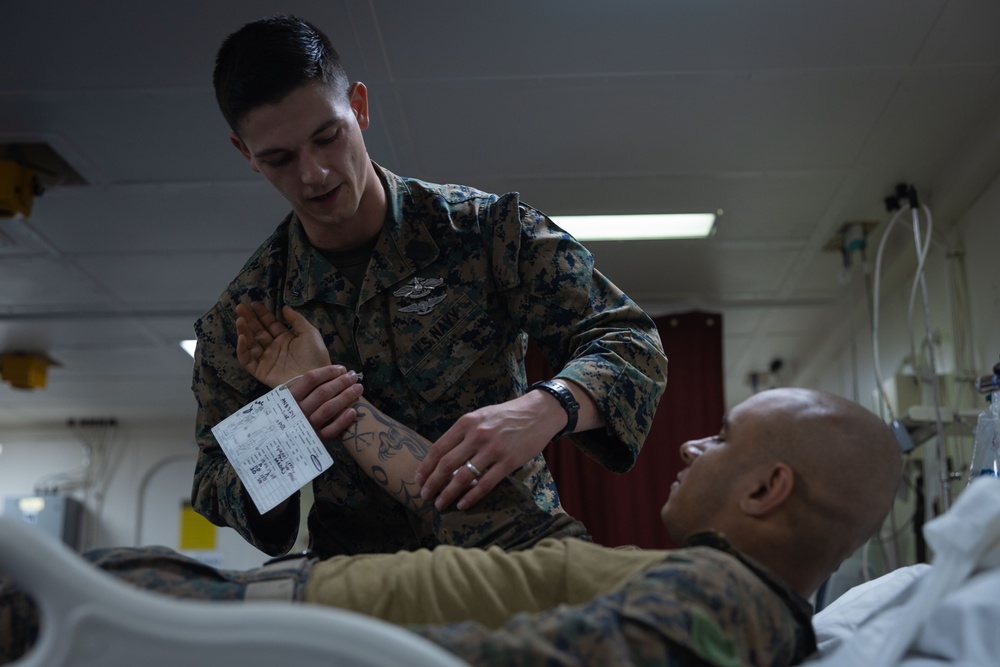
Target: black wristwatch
{"x":566,"y":400}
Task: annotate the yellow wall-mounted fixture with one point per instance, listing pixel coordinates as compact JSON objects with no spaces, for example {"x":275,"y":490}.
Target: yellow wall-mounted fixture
{"x":25,"y":370}
{"x":18,"y":187}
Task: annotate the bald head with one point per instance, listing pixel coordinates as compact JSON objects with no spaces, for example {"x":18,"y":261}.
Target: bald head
{"x":845,"y":458}
{"x":795,"y":475}
{"x":846,"y":461}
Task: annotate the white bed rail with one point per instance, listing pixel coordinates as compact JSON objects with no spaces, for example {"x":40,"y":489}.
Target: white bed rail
{"x":91,"y":619}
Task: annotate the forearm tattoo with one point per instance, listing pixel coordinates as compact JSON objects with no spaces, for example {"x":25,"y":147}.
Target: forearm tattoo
{"x":392,"y":436}
{"x":408,"y":493}
{"x":387,"y":438}
{"x":355,"y":437}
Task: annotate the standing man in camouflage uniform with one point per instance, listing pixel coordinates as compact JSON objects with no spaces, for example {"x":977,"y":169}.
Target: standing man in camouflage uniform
{"x":809,"y":477}
{"x":428,"y":290}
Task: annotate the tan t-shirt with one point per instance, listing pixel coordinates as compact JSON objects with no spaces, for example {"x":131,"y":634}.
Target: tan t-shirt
{"x":451,"y":584}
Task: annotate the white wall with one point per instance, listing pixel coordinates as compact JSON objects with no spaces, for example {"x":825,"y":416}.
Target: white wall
{"x":839,"y":370}
{"x":151,"y":468}
{"x":981,"y":233}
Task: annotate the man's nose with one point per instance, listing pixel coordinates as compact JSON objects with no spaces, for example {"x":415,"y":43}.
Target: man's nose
{"x":312,"y":169}
{"x":692,"y":449}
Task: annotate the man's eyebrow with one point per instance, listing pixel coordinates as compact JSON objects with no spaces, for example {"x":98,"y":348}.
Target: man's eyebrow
{"x":269,"y":151}
{"x":319,"y":130}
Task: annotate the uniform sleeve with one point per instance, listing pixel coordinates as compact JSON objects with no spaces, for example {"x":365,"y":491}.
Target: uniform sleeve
{"x":221,"y":387}
{"x":18,"y":621}
{"x":682,"y":612}
{"x":586,"y":328}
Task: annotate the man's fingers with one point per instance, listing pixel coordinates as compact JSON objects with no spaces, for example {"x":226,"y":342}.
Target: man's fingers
{"x":258,"y":339}
{"x":331,"y":407}
{"x":296,"y":320}
{"x":267,"y":322}
{"x":249,"y":319}
{"x":442,"y":475}
{"x":264,"y":315}
{"x":452,"y":475}
{"x":242,"y":351}
{"x":340,"y":424}
{"x":305,"y":385}
{"x":468,"y":488}
{"x":484,"y":484}
{"x":325,"y":393}
{"x":461,"y":479}
{"x":425,"y":471}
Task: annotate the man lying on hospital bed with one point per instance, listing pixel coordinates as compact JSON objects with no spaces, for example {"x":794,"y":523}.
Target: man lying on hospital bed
{"x":795,"y":481}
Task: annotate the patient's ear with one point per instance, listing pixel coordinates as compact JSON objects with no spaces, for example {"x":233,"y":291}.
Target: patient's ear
{"x":773,"y":485}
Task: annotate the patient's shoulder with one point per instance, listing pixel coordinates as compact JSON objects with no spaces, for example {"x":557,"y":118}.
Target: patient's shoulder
{"x":710,"y":600}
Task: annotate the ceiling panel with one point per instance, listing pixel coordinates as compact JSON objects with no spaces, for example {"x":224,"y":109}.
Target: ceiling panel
{"x":596,"y":126}
{"x":600,"y":37}
{"x":165,"y":280}
{"x":79,"y":330}
{"x":657,"y":270}
{"x":45,"y":282}
{"x":793,"y":118}
{"x":121,"y":44}
{"x":132,"y":136}
{"x":963,"y":33}
{"x":164,"y":217}
{"x":951,"y":103}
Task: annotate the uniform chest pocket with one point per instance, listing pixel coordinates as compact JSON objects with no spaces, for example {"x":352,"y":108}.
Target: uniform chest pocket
{"x":448,"y":347}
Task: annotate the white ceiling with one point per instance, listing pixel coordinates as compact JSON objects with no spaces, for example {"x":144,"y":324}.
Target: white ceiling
{"x":794,"y":117}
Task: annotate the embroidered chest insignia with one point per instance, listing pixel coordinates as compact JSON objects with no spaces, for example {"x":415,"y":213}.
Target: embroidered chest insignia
{"x":422,"y":307}
{"x":419,"y":287}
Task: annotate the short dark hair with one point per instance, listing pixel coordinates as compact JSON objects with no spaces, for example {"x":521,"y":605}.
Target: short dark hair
{"x":264,"y":61}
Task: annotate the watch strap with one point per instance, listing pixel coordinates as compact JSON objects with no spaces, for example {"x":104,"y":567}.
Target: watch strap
{"x":566,"y":400}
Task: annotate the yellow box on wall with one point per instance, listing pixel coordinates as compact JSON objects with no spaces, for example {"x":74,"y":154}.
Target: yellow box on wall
{"x":196,"y":532}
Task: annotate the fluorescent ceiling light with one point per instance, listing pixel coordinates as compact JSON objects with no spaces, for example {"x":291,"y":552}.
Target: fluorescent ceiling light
{"x":628,"y":227}
{"x":189,"y":346}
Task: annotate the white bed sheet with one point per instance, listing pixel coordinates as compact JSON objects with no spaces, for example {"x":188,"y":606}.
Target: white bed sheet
{"x":945,"y":613}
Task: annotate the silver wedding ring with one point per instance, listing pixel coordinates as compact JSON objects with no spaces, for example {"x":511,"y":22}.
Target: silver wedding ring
{"x":473,"y":469}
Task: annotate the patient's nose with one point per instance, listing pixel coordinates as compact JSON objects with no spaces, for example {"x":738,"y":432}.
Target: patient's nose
{"x":692,"y":449}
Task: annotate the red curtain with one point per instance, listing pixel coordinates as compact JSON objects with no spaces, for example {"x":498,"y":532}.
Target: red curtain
{"x":621,"y":509}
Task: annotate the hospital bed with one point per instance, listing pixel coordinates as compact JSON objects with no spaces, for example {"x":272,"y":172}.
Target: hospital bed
{"x":91,"y":619}
{"x":918,"y":616}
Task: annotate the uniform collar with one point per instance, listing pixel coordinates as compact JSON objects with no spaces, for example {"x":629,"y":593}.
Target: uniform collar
{"x":405,"y":246}
{"x":799,"y":606}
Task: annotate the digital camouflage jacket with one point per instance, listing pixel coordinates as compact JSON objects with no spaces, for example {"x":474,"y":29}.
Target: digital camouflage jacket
{"x":459,"y":279}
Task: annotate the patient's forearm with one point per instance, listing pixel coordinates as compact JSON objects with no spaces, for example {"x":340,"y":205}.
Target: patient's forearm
{"x":389,"y":453}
